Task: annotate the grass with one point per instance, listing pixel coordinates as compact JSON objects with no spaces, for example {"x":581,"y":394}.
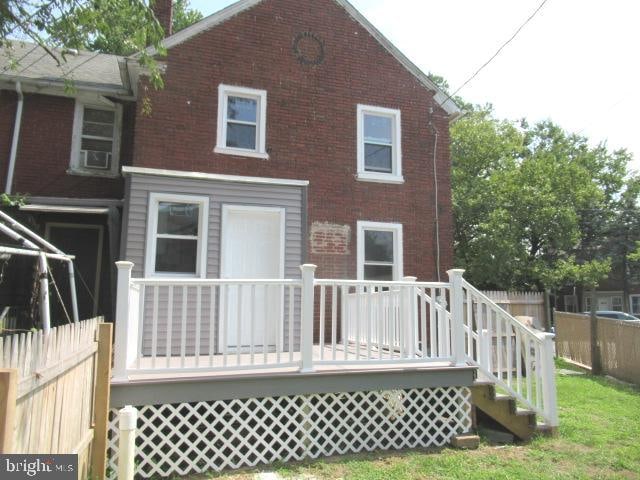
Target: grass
{"x":599,"y":437}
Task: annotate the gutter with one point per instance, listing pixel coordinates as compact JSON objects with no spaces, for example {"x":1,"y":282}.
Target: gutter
{"x":14,"y":142}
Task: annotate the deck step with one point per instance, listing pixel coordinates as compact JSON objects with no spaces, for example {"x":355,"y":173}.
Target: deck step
{"x":504,"y":410}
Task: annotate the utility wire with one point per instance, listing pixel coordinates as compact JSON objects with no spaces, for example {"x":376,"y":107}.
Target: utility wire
{"x":515,"y":34}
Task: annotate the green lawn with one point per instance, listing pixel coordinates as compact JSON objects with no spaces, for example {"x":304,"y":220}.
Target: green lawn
{"x":599,"y":438}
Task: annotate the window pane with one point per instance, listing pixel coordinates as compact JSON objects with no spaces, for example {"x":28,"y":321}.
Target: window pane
{"x":378,"y":272}
{"x":635,"y":304}
{"x":243,"y":109}
{"x":176,"y":256}
{"x":378,"y":246}
{"x":241,"y":136}
{"x":98,"y":129}
{"x":97,"y":145}
{"x":99,"y":116}
{"x":178,"y":218}
{"x":378,"y":158}
{"x":378,"y":129}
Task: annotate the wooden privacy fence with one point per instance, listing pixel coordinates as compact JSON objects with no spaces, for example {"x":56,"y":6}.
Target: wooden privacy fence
{"x":54,"y":393}
{"x":522,"y":304}
{"x":619,"y":343}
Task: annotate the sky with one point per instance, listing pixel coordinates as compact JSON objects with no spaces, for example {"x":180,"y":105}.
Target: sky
{"x":576,"y":63}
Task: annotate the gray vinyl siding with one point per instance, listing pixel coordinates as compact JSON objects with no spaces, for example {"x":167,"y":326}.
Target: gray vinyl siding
{"x":219,"y":193}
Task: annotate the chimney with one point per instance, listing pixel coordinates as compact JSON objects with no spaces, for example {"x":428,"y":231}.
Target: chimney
{"x":163,"y":10}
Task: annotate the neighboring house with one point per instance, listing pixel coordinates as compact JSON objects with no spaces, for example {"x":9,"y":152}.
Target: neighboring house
{"x":288,"y":132}
{"x":614,"y":293}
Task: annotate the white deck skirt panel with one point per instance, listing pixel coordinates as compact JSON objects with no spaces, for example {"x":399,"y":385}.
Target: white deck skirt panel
{"x":64,"y":209}
{"x":193,"y":438}
{"x":214,"y":176}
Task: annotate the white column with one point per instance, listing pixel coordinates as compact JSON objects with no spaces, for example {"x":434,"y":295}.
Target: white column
{"x":306,"y":326}
{"x":45,"y":313}
{"x":408,"y":317}
{"x":123,"y":322}
{"x":128,"y":417}
{"x":457,"y":312}
{"x":549,"y":396}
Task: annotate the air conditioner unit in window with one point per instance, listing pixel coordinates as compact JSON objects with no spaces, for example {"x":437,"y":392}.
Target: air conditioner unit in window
{"x":95,"y":159}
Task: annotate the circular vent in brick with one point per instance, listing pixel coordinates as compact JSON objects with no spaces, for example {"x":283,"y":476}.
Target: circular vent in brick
{"x":308,"y":48}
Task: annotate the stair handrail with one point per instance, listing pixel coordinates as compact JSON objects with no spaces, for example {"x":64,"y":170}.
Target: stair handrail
{"x":502,"y":311}
{"x":545,"y":403}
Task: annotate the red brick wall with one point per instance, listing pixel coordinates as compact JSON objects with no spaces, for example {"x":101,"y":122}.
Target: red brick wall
{"x":44,"y":149}
{"x":311,"y":123}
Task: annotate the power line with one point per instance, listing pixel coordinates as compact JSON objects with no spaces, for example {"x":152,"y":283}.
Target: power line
{"x":515,"y":34}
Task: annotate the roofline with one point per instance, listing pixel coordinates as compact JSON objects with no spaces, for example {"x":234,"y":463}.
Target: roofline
{"x":213,"y":176}
{"x":444,"y":100}
{"x":37,"y":84}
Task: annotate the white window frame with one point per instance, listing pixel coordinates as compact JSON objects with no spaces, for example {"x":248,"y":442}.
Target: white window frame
{"x":152,"y":229}
{"x":398,"y":260}
{"x":260,"y":96}
{"x":75,"y":164}
{"x":396,"y":159}
{"x":631,"y":297}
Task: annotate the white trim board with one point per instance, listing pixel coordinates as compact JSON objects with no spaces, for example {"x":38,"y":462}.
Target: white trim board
{"x":232,"y":10}
{"x":32,"y":207}
{"x":214,"y":176}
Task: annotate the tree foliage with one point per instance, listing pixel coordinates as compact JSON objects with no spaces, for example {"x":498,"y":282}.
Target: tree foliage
{"x":534,"y":205}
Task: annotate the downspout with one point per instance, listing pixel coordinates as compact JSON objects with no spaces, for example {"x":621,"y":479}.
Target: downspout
{"x":14,"y":141}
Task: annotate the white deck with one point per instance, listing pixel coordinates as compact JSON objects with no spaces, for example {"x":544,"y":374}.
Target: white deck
{"x":272,"y":363}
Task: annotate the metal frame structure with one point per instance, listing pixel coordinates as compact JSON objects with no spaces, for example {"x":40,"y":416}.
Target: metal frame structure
{"x":35,"y":246}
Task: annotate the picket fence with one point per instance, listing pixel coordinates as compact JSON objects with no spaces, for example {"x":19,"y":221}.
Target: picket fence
{"x":54,"y":393}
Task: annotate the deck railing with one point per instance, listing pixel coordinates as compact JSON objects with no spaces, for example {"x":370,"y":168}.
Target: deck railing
{"x":177,"y":325}
{"x":518,"y":359}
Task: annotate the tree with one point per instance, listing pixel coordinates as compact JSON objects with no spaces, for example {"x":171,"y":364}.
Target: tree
{"x":523,"y":199}
{"x":124,"y":22}
{"x":114,"y":26}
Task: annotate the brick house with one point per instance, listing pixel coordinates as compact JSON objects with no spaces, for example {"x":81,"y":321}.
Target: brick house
{"x":271,"y":215}
{"x":327,"y":108}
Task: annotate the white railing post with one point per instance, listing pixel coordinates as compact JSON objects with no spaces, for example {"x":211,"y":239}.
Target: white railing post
{"x":124,"y":327}
{"x":486,"y":341}
{"x":306,"y":325}
{"x":408,"y":316}
{"x":549,"y":396}
{"x":457,"y":312}
{"x":128,"y":418}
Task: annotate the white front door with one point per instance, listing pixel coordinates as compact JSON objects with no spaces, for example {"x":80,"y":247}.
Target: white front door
{"x":252,"y":247}
{"x":604,"y":303}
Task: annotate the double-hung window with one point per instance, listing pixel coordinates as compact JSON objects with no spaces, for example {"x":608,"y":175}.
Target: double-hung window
{"x":176,"y":236}
{"x":96,"y":139}
{"x":379,"y":144}
{"x":379,"y":251}
{"x":634,"y":303}
{"x":242,"y":119}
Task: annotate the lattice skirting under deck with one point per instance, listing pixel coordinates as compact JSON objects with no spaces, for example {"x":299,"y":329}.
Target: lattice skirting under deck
{"x":186,"y":438}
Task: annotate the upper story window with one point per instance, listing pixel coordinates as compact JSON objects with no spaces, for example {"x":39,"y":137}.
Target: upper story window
{"x":242,"y":121}
{"x":176,"y":235}
{"x":96,"y":139}
{"x":379,"y":251}
{"x":379,"y":145}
